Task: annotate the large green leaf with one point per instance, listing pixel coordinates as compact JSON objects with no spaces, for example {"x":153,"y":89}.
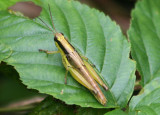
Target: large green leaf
{"x":144,"y":35}
{"x":92,"y":33}
{"x":149,"y":98}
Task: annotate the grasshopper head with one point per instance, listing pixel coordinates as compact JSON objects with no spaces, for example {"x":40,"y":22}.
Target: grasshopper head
{"x":58,"y":37}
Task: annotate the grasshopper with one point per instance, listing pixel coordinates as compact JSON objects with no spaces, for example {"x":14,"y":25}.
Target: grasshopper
{"x":78,"y":67}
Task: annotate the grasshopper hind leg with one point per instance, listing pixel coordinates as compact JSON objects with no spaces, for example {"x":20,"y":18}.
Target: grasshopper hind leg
{"x":95,"y":75}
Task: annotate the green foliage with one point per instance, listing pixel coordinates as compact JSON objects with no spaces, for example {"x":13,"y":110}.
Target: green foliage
{"x":116,"y":112}
{"x":89,"y":31}
{"x":46,"y":73}
{"x":144,"y":35}
{"x":51,"y":106}
{"x":91,"y":111}
{"x":151,"y":109}
{"x":11,"y":88}
{"x":149,"y":98}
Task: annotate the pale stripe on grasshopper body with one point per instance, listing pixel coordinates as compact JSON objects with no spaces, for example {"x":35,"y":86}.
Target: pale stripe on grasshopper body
{"x":80,"y":69}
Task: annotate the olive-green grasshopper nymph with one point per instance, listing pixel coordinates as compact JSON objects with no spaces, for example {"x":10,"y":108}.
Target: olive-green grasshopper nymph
{"x":80,"y":69}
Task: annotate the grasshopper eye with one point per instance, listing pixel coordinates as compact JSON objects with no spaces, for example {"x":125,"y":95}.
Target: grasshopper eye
{"x":62,"y":34}
{"x":55,"y":38}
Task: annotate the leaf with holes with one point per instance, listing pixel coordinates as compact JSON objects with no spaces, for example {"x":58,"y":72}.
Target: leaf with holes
{"x":92,"y":33}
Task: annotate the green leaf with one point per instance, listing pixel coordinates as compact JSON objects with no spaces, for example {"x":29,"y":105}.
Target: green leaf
{"x":50,"y":106}
{"x":116,"y":112}
{"x":149,"y":96}
{"x":144,"y":35}
{"x":152,"y":109}
{"x":92,"y":33}
{"x":5,"y":51}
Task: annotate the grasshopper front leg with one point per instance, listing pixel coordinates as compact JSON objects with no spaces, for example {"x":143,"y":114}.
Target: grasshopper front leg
{"x":54,"y":52}
{"x":48,"y":52}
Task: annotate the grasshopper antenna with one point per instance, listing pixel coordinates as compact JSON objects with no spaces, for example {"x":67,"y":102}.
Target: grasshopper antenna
{"x":45,"y":24}
{"x":51,"y":18}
